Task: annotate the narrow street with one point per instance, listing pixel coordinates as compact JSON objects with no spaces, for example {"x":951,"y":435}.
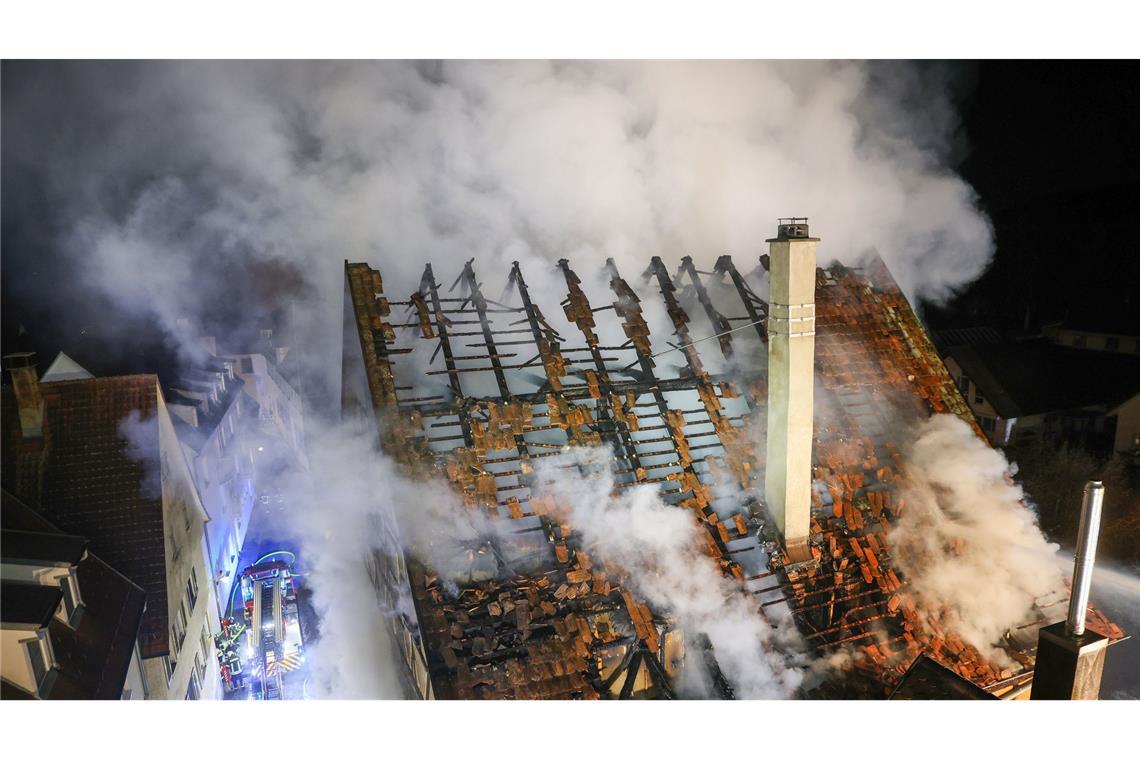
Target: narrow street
{"x":267,"y":661}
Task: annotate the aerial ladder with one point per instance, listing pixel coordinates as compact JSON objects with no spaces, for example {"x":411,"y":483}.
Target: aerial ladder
{"x":265,"y":590}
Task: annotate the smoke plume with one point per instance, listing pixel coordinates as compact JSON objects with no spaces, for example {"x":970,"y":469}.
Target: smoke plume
{"x":353,"y":504}
{"x":217,"y":190}
{"x":230,"y":194}
{"x":972,"y":552}
{"x":657,"y":546}
{"x":342,"y":517}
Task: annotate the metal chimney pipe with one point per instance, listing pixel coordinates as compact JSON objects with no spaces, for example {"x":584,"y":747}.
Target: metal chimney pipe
{"x":1085,"y":556}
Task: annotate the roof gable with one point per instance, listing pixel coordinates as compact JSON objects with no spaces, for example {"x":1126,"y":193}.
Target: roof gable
{"x":65,"y":368}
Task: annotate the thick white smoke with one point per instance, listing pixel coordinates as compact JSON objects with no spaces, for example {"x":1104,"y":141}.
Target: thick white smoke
{"x":971,"y":550}
{"x":353,"y":502}
{"x":657,"y":545}
{"x":337,"y":513}
{"x":168,"y":180}
{"x":305,"y":164}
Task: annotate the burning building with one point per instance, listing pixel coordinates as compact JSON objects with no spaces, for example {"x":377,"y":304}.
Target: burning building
{"x":772,"y":423}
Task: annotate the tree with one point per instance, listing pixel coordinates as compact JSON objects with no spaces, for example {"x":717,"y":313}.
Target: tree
{"x":1054,"y":477}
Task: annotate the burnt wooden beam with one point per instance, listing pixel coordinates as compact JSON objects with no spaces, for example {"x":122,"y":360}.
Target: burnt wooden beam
{"x":721,"y":326}
{"x":757,"y":309}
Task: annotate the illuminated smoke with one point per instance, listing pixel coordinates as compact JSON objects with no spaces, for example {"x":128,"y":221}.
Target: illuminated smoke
{"x":657,"y":546}
{"x":202,"y":190}
{"x":972,"y":552}
{"x":233,"y":176}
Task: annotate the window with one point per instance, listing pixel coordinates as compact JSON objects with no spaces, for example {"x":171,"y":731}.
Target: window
{"x":978,"y":397}
{"x":1079,"y":341}
{"x":964,"y":385}
{"x":192,"y":588}
{"x":179,"y":627}
{"x":1112,"y":344}
{"x":199,"y":668}
{"x":989,"y":424}
{"x":69,"y":600}
{"x":192,"y":687}
{"x":167,"y":668}
{"x":38,"y":657}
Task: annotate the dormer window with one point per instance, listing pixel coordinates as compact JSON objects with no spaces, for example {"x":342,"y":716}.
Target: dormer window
{"x":40,"y":657}
{"x":72,"y":601}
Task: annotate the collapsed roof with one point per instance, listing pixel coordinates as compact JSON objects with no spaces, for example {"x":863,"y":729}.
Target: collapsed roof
{"x":536,"y":615}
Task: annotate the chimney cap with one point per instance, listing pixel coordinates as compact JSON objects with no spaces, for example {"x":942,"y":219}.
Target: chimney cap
{"x":791,"y":228}
{"x":18,"y":359}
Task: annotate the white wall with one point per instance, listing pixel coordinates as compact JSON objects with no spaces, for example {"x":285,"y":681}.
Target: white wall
{"x":134,"y":687}
{"x":1127,"y":424}
{"x":14,"y":664}
{"x":222,"y":474}
{"x":983,"y":409}
{"x":185,"y":525}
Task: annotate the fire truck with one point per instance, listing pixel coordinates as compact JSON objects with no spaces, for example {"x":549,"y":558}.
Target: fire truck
{"x":273,"y":643}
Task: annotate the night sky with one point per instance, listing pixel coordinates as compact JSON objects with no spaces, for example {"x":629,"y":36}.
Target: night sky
{"x":1054,"y":153}
{"x":1052,"y":148}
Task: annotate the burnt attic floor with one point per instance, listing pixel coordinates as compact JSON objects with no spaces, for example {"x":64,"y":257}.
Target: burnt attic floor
{"x":534,"y":614}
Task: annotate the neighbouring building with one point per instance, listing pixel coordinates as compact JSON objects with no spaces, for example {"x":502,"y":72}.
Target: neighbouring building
{"x":1035,"y":390}
{"x":1111,"y":336}
{"x":280,"y":412}
{"x":100,"y":458}
{"x":70,"y":621}
{"x":241,"y":424}
{"x":212,"y":416}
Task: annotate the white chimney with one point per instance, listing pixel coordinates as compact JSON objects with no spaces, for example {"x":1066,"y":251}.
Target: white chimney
{"x":791,"y":377}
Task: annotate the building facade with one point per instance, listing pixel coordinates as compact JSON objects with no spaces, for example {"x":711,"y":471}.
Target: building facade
{"x":212,"y":416}
{"x":1093,"y":339}
{"x":100,"y":458}
{"x":241,"y":426}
